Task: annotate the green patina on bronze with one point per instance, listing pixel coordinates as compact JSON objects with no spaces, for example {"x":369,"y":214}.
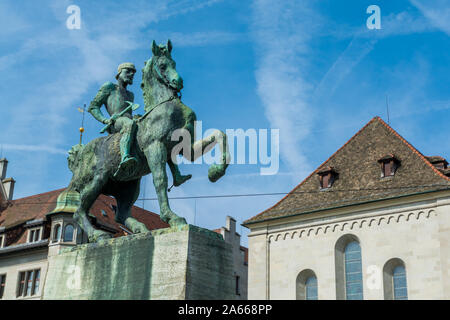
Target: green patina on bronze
{"x":139,"y":145}
{"x":191,"y":263}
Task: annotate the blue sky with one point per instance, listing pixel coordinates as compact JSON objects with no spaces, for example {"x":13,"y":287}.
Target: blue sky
{"x":309,"y":68}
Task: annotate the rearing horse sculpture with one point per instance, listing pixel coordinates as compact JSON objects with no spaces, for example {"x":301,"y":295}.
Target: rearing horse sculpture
{"x":94,"y":164}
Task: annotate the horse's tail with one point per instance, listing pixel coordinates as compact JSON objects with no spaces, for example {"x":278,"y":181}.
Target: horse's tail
{"x":74,"y":157}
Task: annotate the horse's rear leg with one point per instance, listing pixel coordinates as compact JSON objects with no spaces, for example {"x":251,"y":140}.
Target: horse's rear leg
{"x":126,"y":197}
{"x":87,"y":198}
{"x":157,"y":158}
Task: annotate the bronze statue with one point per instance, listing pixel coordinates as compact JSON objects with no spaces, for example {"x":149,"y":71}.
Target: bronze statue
{"x":114,"y":97}
{"x":135,"y":147}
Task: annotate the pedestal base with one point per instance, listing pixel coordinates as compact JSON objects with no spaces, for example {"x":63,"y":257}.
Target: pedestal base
{"x":193,"y":263}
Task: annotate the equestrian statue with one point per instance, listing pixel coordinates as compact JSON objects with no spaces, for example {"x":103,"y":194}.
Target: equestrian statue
{"x":138,"y":145}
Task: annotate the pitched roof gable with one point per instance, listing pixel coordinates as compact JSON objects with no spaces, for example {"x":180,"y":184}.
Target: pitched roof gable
{"x":360,"y":178}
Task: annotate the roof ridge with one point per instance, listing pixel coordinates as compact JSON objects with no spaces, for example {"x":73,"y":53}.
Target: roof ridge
{"x":414,"y":150}
{"x":38,"y":195}
{"x":312,"y":173}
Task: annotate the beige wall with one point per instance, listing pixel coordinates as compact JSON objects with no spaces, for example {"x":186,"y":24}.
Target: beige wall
{"x":14,"y":263}
{"x":417,"y":231}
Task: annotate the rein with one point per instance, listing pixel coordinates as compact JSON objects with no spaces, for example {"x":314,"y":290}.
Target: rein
{"x":161,"y":78}
{"x":154,"y":107}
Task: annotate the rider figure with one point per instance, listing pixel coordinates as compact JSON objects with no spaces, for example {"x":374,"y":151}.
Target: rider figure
{"x":114,"y":97}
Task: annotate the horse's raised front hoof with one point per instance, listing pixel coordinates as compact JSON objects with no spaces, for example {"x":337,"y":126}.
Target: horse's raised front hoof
{"x":216,"y":171}
{"x":98,"y":235}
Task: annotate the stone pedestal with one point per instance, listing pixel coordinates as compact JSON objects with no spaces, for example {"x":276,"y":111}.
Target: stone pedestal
{"x":193,"y":263}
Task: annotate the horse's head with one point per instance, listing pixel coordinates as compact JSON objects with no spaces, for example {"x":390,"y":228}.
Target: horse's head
{"x":159,"y":76}
{"x":162,"y":67}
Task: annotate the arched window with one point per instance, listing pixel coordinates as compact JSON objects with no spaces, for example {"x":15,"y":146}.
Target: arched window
{"x":306,"y":285}
{"x":68,"y":233}
{"x":311,"y":288}
{"x":353,"y":272}
{"x":394,"y":280}
{"x":348,"y":265}
{"x":57,"y":233}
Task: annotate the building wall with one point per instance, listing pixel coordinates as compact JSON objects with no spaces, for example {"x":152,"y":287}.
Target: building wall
{"x":240,"y":268}
{"x":416,"y":232}
{"x":257,"y":265}
{"x":14,"y":263}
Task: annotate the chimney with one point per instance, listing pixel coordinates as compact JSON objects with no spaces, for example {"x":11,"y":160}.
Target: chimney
{"x":8,"y":184}
{"x":3,"y":167}
{"x":231,"y":225}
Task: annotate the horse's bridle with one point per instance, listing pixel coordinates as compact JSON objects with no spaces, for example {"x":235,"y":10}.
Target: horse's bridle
{"x":166,"y":83}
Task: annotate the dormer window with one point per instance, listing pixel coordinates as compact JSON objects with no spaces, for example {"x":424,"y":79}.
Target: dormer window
{"x":389,"y":165}
{"x":327,"y":176}
{"x":35,"y":229}
{"x":438,"y":162}
{"x":34,"y":235}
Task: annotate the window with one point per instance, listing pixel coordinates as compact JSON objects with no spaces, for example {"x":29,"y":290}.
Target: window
{"x":2,"y":284}
{"x":57,"y":233}
{"x":394,"y":280}
{"x":311,"y":288}
{"x":306,"y":285}
{"x":327,"y":176}
{"x":1,"y":241}
{"x":353,"y":272}
{"x":238,"y":289}
{"x":29,"y":283}
{"x":389,"y":165}
{"x":34,"y":235}
{"x":348,"y":266}
{"x":68,"y":233}
{"x":399,"y":281}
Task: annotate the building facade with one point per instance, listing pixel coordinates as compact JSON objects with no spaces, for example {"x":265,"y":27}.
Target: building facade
{"x":240,"y":257}
{"x":372,"y":222}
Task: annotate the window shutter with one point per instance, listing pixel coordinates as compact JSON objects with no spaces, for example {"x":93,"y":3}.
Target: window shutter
{"x":325,"y":180}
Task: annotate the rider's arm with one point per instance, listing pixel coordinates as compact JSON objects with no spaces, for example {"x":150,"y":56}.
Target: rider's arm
{"x":99,"y":100}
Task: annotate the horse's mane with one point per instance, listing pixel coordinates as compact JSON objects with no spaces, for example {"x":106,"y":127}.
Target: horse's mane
{"x":146,"y":85}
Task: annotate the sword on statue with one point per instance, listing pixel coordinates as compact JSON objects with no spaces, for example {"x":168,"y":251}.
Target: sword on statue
{"x":131,"y":105}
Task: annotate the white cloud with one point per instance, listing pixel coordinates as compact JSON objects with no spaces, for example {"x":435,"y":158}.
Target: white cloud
{"x":84,"y":59}
{"x":34,"y":148}
{"x":197,"y":39}
{"x":282,"y":32}
{"x":10,"y":22}
{"x":344,"y":64}
{"x":437,"y":11}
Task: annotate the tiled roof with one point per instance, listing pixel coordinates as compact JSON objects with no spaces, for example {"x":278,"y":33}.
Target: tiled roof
{"x":360,"y":178}
{"x":37,"y":206}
